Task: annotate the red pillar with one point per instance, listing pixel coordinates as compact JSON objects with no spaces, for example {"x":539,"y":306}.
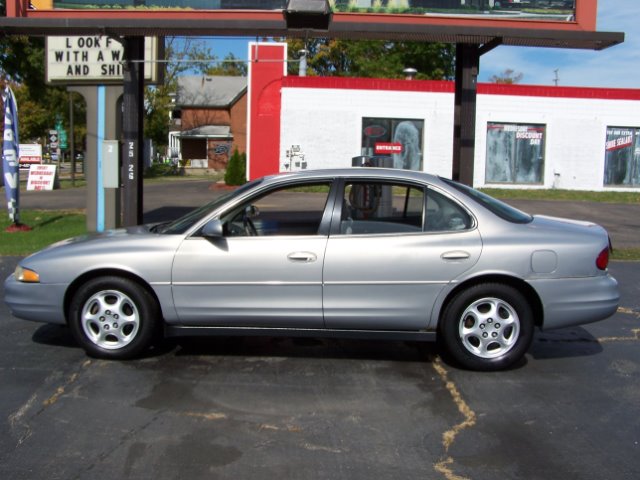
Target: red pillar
{"x":267,"y":67}
{"x":16,"y":8}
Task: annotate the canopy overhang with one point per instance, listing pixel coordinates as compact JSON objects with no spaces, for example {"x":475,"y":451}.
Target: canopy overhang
{"x":347,"y":26}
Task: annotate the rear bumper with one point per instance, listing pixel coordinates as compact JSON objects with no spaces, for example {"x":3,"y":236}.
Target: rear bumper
{"x":35,"y":301}
{"x":575,"y":301}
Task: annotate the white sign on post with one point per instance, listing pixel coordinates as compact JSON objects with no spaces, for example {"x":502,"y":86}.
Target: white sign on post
{"x":41,"y":177}
{"x":94,"y":60}
{"x":30,"y":154}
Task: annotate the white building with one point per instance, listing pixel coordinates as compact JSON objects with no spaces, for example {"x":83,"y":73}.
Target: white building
{"x":526,"y":136}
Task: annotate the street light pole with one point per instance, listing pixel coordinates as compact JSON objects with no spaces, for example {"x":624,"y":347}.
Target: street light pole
{"x":72,"y":150}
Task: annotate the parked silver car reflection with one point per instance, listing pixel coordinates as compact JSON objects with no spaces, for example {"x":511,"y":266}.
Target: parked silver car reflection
{"x":368,"y":252}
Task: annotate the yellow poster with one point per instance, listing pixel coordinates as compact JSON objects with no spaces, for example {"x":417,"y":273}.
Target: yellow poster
{"x":41,"y":4}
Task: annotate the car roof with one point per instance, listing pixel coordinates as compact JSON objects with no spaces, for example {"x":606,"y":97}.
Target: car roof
{"x":356,"y":172}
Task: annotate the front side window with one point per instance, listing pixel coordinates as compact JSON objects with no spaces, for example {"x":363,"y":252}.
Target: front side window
{"x":515,"y":153}
{"x":291,"y":210}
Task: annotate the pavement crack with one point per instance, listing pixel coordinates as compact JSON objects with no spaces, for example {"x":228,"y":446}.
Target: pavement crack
{"x":16,"y":420}
{"x":634,"y":337}
{"x":118,"y":442}
{"x":19,"y":420}
{"x":207,"y":416}
{"x":629,"y":311}
{"x":444,"y":466}
{"x":635,"y":332}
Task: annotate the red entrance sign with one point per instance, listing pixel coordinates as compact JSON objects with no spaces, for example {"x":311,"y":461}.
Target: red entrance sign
{"x":388,"y":148}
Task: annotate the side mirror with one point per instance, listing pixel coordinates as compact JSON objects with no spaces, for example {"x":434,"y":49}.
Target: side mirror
{"x":213,"y":229}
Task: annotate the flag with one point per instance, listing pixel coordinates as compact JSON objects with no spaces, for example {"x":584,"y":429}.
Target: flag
{"x":10,"y":157}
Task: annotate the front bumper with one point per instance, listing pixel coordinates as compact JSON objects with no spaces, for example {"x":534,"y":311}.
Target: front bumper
{"x":575,"y":301}
{"x":35,"y":301}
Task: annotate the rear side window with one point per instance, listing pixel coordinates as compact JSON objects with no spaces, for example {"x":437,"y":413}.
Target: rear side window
{"x":499,"y":208}
{"x":373,"y":207}
{"x":444,"y":215}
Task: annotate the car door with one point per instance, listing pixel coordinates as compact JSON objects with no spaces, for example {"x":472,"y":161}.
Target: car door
{"x":395,"y":246}
{"x":266,"y":268}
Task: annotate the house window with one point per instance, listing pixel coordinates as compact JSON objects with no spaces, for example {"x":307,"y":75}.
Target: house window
{"x":515,"y":153}
{"x":398,"y":139}
{"x":622,"y":157}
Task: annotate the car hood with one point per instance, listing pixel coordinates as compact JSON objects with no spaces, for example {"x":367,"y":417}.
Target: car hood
{"x":128,"y":248}
{"x":110,"y":236}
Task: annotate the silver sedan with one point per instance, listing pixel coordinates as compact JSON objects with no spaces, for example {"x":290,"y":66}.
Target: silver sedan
{"x":362,"y":252}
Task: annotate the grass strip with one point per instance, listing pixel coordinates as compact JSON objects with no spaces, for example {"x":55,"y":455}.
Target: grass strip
{"x":563,"y":195}
{"x":47,"y":227}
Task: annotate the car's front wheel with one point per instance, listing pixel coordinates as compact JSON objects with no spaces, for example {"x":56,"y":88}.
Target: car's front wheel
{"x":113,"y":317}
{"x":487,"y":327}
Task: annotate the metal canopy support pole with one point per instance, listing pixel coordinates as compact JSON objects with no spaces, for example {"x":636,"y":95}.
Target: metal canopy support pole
{"x":464,"y":127}
{"x":132,"y":131}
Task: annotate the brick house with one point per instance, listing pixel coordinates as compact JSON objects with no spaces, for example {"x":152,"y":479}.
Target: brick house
{"x":210,"y":120}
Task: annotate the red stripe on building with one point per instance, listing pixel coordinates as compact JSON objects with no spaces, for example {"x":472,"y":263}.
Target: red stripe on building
{"x":437,"y":86}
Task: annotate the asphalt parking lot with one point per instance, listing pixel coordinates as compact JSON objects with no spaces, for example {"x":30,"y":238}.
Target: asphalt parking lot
{"x":261,"y":408}
{"x":322,"y":409}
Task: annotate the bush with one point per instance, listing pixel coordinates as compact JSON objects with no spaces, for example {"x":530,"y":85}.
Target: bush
{"x":236,"y":173}
{"x":161,"y":170}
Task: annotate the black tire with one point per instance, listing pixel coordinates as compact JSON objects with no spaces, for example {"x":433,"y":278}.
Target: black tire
{"x":487,"y":327}
{"x":113,"y":318}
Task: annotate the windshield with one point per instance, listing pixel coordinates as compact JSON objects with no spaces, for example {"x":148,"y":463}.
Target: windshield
{"x":501,"y":209}
{"x":185,"y":222}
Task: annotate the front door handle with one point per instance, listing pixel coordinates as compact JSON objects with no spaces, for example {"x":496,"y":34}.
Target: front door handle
{"x":455,"y":255}
{"x":302,"y":257}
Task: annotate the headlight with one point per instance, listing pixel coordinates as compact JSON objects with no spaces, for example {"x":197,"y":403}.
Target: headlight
{"x":25,"y":275}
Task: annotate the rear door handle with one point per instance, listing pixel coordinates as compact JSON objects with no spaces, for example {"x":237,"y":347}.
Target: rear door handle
{"x":455,"y":255}
{"x":302,"y":257}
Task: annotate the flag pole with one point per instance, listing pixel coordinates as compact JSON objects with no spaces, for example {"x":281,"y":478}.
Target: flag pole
{"x":10,"y":160}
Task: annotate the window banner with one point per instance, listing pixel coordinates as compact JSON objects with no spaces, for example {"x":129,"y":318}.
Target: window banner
{"x":10,"y":155}
{"x":622,"y":157}
{"x":515,"y":153}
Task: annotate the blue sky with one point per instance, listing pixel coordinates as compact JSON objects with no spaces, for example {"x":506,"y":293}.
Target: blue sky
{"x":615,"y":67}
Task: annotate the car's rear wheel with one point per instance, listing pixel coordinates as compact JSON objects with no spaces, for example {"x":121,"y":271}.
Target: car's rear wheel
{"x":113,"y":317}
{"x":487,"y":327}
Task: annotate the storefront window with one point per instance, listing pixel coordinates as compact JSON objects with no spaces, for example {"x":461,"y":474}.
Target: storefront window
{"x":622,"y":157}
{"x":515,"y":153}
{"x":394,"y":138}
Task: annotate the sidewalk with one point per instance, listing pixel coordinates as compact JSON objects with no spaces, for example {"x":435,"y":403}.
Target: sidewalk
{"x":163,"y":201}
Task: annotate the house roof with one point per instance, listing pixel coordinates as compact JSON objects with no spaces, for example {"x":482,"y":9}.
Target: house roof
{"x":208,"y":131}
{"x":209,"y":91}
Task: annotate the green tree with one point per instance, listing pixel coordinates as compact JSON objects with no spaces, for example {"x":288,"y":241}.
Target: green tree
{"x":181,"y":56}
{"x":236,"y":173}
{"x":373,"y":58}
{"x":509,"y":76}
{"x":22,"y":65}
{"x":230,"y":66}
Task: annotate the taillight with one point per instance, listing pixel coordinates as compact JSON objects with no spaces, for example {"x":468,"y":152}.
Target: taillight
{"x":603,"y":259}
